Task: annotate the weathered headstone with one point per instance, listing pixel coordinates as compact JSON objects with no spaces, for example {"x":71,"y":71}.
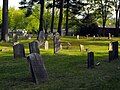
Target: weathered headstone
{"x":41,"y":38}
{"x":110,"y":47}
{"x":109,"y":36}
{"x":56,"y":41}
{"x":46,"y":45}
{"x":115,"y":49}
{"x":87,"y":36}
{"x":81,"y":47}
{"x":78,"y":37}
{"x":15,"y":37}
{"x":111,"y":57}
{"x":19,"y":51}
{"x":33,"y":47}
{"x":93,"y":37}
{"x":37,"y":68}
{"x":90,"y":60}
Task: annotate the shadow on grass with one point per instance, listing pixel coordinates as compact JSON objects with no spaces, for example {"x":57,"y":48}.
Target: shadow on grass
{"x":64,"y":71}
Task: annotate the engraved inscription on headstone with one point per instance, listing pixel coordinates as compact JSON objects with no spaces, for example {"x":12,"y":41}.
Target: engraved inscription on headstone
{"x":56,"y":41}
{"x":33,"y":47}
{"x":37,"y":68}
{"x":19,"y":51}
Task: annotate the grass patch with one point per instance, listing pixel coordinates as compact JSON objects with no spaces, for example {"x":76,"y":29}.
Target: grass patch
{"x":67,"y":70}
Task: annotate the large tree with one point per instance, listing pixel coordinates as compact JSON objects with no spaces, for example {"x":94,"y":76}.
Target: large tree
{"x":4,"y":32}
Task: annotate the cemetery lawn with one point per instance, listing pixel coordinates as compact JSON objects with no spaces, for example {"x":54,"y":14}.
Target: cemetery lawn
{"x":67,"y":70}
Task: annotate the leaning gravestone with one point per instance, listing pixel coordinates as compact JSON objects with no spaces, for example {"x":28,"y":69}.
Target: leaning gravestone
{"x":33,"y":47}
{"x":115,"y":49}
{"x":41,"y":38}
{"x":18,"y":51}
{"x":56,"y":42}
{"x":90,"y":60}
{"x":46,"y":45}
{"x":37,"y":68}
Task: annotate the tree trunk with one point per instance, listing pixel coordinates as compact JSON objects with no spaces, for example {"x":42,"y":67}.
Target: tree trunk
{"x":60,"y":17}
{"x":4,"y":32}
{"x":66,"y":28}
{"x":52,"y":21}
{"x":41,"y":17}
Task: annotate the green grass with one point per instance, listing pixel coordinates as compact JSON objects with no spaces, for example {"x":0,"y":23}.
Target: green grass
{"x":67,"y":70}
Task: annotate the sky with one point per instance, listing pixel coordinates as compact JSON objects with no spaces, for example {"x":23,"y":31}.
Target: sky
{"x":12,"y":3}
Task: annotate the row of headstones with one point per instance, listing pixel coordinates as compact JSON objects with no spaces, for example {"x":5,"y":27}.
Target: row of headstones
{"x":36,"y":64}
{"x":94,"y":37}
{"x":113,"y":55}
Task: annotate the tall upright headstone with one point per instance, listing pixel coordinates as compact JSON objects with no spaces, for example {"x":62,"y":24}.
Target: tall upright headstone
{"x":46,"y":45}
{"x":109,"y":35}
{"x":41,"y":38}
{"x":115,"y":49}
{"x":19,"y":51}
{"x":56,"y":42}
{"x":90,"y":60}
{"x":33,"y":47}
{"x":78,"y":37}
{"x":37,"y":68}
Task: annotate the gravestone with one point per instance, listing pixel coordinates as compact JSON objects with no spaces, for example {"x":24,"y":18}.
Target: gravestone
{"x":41,"y":38}
{"x":46,"y":45}
{"x":15,"y":37}
{"x":90,"y":60}
{"x":33,"y":47}
{"x":18,"y":51}
{"x":78,"y":37}
{"x":111,"y":57}
{"x":37,"y":68}
{"x":56,"y":41}
{"x":81,"y":47}
{"x":115,"y":49}
{"x":94,"y":37}
{"x":109,"y":36}
{"x":110,"y":47}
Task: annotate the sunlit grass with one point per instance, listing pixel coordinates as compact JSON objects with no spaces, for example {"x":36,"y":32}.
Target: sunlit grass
{"x":67,"y":70}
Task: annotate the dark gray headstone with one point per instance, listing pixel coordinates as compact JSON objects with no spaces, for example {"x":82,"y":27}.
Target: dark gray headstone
{"x":15,"y":37}
{"x":37,"y":68}
{"x":19,"y":51}
{"x":115,"y":49}
{"x":56,"y":41}
{"x":33,"y":47}
{"x":111,"y":56}
{"x":90,"y":60}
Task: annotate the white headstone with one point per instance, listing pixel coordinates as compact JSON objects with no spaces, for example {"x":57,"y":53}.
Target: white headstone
{"x":78,"y":37}
{"x":46,"y":45}
{"x":82,"y":47}
{"x":110,"y":47}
